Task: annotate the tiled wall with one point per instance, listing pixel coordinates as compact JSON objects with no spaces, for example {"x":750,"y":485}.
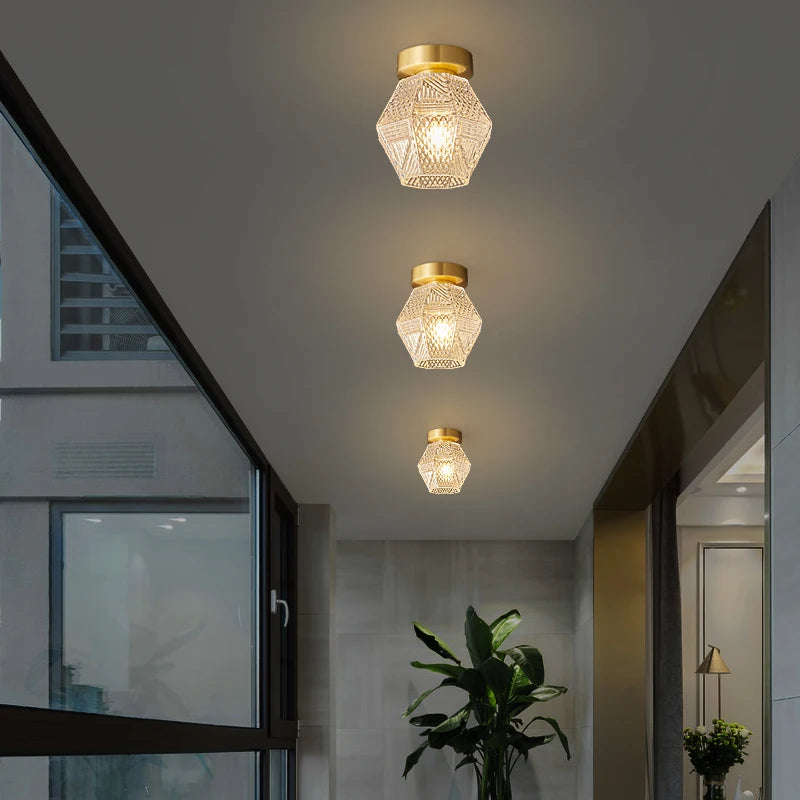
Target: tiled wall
{"x":316,"y":769}
{"x":785,"y":511}
{"x":380,"y":588}
{"x":584,"y":660}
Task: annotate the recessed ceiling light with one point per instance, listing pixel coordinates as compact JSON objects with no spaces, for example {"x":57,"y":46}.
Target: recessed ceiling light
{"x":166,"y":527}
{"x":444,"y":465}
{"x":741,"y":490}
{"x":177,"y":519}
{"x":438,"y":324}
{"x":92,"y":519}
{"x":434,"y":128}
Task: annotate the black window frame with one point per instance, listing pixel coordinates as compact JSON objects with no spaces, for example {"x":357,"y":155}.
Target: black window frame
{"x":30,"y":731}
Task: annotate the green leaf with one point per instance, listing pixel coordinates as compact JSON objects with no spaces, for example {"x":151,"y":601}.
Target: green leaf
{"x":412,"y":760}
{"x":523,"y":743}
{"x":451,"y":670}
{"x":451,"y":723}
{"x":517,"y":704}
{"x":561,"y":737}
{"x":416,"y":703}
{"x":465,"y":761}
{"x":433,"y":642}
{"x":472,"y":681}
{"x":428,"y":720}
{"x":499,"y":677}
{"x":468,"y":740}
{"x":530,"y":661}
{"x":437,"y":741}
{"x":502,"y":627}
{"x":479,"y":638}
{"x":544,"y":693}
{"x":447,"y":731}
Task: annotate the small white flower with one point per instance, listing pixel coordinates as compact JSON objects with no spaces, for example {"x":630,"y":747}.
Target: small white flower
{"x":701,"y":729}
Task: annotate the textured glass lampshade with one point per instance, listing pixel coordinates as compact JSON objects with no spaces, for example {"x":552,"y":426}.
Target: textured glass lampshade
{"x":444,"y":467}
{"x":434,"y":129}
{"x":439,"y":326}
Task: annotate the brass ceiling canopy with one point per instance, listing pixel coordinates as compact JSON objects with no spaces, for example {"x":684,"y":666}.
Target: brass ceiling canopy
{"x":444,"y":435}
{"x":439,"y":271}
{"x":434,"y":58}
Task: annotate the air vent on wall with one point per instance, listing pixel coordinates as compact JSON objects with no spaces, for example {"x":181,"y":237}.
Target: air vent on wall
{"x":106,"y":459}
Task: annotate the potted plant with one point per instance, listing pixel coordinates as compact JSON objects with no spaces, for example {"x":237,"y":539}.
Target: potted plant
{"x":713,"y":752}
{"x":489,"y":731}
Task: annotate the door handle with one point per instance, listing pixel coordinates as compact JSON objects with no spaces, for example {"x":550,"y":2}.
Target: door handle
{"x":274,"y":602}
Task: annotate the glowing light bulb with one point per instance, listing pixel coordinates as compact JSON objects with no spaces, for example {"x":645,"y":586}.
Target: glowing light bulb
{"x":438,"y":134}
{"x":446,"y":469}
{"x":443,"y":329}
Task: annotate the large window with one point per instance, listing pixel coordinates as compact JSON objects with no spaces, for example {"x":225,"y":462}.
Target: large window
{"x":94,"y":313}
{"x":147,"y":550}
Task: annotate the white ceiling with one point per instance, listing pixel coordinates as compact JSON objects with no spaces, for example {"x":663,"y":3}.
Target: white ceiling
{"x":233,"y":143}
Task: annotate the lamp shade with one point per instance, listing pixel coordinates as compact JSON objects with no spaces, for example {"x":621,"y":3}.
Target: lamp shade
{"x":439,"y":324}
{"x":444,"y":465}
{"x":713,"y":663}
{"x":434,"y":128}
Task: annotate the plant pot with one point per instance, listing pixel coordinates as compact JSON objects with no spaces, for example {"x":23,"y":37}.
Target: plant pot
{"x":713,"y":787}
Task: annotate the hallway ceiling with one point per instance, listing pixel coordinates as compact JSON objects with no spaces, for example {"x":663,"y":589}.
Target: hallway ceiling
{"x":234,"y":145}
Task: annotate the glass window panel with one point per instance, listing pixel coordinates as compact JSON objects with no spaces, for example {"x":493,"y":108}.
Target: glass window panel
{"x":200,"y":776}
{"x":157,"y":614}
{"x":278,"y":775}
{"x":96,"y":315}
{"x":134,"y":624}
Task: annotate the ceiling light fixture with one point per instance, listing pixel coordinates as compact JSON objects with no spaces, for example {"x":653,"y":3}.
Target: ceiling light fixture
{"x":438,"y":324}
{"x":444,"y":465}
{"x":741,"y":490}
{"x":434,"y":129}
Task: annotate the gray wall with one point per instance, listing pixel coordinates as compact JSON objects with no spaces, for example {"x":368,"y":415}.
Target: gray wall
{"x":380,"y":588}
{"x":785,"y":511}
{"x":583,"y":689}
{"x":316,"y":749}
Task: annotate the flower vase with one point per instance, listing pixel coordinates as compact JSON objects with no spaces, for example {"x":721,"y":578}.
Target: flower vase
{"x":713,"y":787}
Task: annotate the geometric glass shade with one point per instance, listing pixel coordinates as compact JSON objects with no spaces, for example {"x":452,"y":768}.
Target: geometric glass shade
{"x":439,"y":326}
{"x":434,"y":130}
{"x":444,"y":465}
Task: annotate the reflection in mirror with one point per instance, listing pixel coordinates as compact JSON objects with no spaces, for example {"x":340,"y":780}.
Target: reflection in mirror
{"x":127,"y":583}
{"x":721,"y":544}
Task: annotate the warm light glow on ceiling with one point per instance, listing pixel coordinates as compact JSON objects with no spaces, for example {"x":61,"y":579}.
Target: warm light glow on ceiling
{"x":749,"y":468}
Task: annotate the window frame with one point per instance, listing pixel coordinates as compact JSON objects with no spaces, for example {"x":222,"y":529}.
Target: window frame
{"x":29,"y":731}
